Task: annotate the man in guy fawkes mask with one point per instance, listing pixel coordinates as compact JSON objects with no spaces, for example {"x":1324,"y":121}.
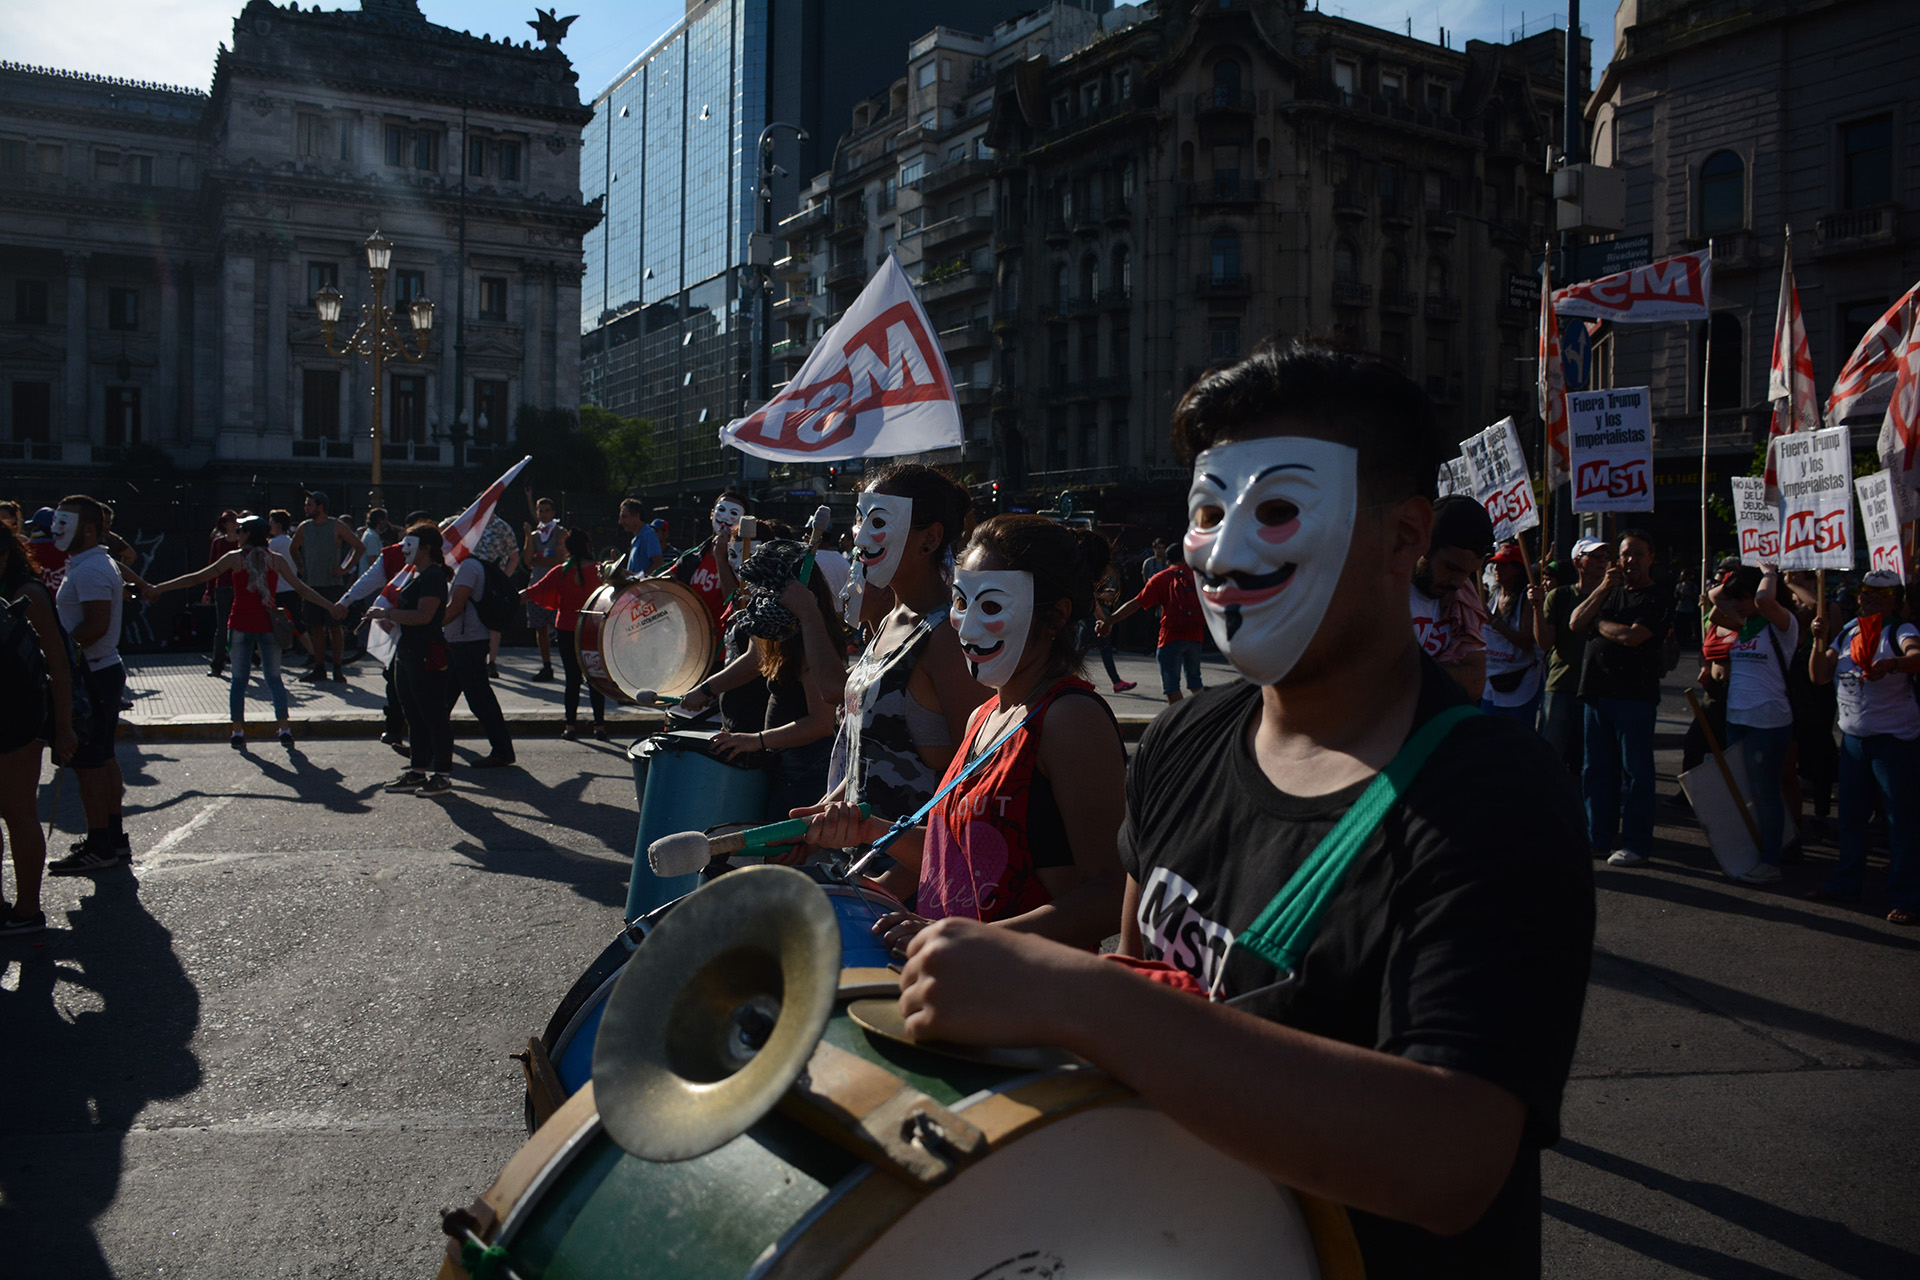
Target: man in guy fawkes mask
{"x":710,"y":568}
{"x":1313,"y":846}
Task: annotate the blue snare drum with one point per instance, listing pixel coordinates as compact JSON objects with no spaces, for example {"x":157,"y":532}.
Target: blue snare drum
{"x":684,"y":788}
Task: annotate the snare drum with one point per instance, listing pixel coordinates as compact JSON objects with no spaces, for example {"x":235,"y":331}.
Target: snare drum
{"x":1058,"y":1192}
{"x":647,"y":635}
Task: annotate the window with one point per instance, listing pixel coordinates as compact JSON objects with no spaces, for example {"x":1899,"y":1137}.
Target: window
{"x":1393,"y":85}
{"x":928,"y":71}
{"x":407,"y":419}
{"x":123,"y":309}
{"x":1057,"y":359}
{"x":489,"y":410}
{"x":1438,"y":98}
{"x":913,"y":170}
{"x":396,"y":145}
{"x":137,"y":170}
{"x":1723,"y":181}
{"x":1866,"y":157}
{"x":889,"y":195}
{"x":493,"y":297}
{"x":33,"y":411}
{"x":311,"y":134}
{"x":930,"y":119}
{"x":1727,"y":389}
{"x":106,"y":166}
{"x":476,"y":157}
{"x":1346,"y":78}
{"x":1223,"y":338}
{"x":426,"y":150}
{"x":1122,"y":84}
{"x":1346,"y":263}
{"x":1119,"y":349}
{"x":1128,"y":179}
{"x":1089,"y":277}
{"x":1387,"y":182}
{"x":1223,"y":257}
{"x":30,"y":301}
{"x":412,"y":148}
{"x":1090,"y":349}
{"x":1061,"y":288}
{"x":956,"y":154}
{"x":1186,"y":162}
{"x":48,"y":158}
{"x":13,"y":155}
{"x":123,"y":416}
{"x":1393,"y":272}
{"x":510,"y":162}
{"x":1062,"y":109}
{"x":1121,"y":280}
{"x":1226,"y":83}
{"x":322,"y":275}
{"x":1436,"y":192}
{"x":408,"y":285}
{"x":1090,"y":97}
{"x":320,"y":404}
{"x":1436,"y":277}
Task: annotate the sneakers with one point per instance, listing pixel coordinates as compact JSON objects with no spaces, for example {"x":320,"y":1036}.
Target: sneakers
{"x":1125,"y":685}
{"x":411,"y":780}
{"x":89,"y":860}
{"x":600,"y":731}
{"x":339,"y":676}
{"x":119,"y":846}
{"x":571,"y":733}
{"x":313,"y":675}
{"x":238,"y":741}
{"x":11,"y":927}
{"x":544,"y":674}
{"x":1625,"y":858}
{"x":286,"y":738}
{"x":438,"y":785}
{"x":1765,"y":873}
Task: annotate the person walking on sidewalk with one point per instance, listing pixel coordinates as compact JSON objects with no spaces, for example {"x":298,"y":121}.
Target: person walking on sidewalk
{"x":1182,"y":626}
{"x":545,"y":548}
{"x":1106,"y":596}
{"x":36,"y":711}
{"x":467,"y":647}
{"x":562,"y":590}
{"x":1626,"y":621}
{"x":420,"y":663}
{"x":327,"y":549}
{"x":1872,"y":664}
{"x":250,"y":620}
{"x":1759,"y":714}
{"x":225,"y":538}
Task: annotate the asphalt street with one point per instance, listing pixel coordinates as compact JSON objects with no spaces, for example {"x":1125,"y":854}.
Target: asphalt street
{"x":279,"y":1043}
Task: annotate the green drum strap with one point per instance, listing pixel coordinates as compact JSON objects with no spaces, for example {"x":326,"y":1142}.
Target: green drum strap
{"x":1285,"y":928}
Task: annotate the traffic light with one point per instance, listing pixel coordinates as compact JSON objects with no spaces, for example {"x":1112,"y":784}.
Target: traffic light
{"x":996,"y":495}
{"x":833,"y":476}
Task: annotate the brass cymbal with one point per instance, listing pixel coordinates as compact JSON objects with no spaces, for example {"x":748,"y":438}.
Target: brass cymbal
{"x":882,"y":1017}
{"x":717,"y":1013}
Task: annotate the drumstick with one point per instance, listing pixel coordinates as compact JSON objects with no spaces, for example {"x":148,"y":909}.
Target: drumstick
{"x":688,"y":851}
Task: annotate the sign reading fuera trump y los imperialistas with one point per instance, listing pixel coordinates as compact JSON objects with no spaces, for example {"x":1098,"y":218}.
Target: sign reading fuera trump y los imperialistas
{"x":1814,"y":470}
{"x":1757,"y":519}
{"x":1612,"y":453}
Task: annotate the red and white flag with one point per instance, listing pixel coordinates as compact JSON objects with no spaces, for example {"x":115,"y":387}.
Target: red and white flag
{"x":1900,"y":429}
{"x":1866,"y":380}
{"x":458,"y":541}
{"x":1553,"y":381}
{"x":876,"y":386}
{"x":1671,"y":289}
{"x":1796,"y":406}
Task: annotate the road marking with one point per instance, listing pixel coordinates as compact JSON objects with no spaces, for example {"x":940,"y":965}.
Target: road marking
{"x":181,"y":832}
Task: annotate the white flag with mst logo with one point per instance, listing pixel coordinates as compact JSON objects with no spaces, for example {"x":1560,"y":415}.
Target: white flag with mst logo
{"x":876,"y":386}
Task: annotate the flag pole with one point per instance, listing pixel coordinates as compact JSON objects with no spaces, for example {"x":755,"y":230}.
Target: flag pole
{"x":1706,"y":383}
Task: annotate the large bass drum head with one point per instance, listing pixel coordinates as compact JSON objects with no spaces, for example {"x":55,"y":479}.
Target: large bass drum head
{"x":655,"y":636}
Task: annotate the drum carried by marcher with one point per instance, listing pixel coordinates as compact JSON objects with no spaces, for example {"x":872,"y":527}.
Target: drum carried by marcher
{"x":645,"y":637}
{"x":741,"y":1122}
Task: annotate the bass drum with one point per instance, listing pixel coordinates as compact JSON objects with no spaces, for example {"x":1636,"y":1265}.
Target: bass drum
{"x":649,"y":635}
{"x":570,"y":1033}
{"x":1058,"y":1193}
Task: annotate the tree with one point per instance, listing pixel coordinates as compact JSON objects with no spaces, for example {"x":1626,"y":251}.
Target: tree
{"x":626,"y":445}
{"x":593,"y":451}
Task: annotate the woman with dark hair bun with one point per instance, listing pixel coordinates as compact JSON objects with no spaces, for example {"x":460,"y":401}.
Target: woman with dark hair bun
{"x":420,"y":661}
{"x":1005,"y":843}
{"x":563,"y":589}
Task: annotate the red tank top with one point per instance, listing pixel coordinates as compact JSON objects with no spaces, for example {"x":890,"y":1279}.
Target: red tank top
{"x":247,"y":613}
{"x":978,"y":862}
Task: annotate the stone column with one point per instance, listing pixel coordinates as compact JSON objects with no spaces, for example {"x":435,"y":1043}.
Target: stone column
{"x":566,"y":306}
{"x":164,"y":422}
{"x":446,"y":324}
{"x":78,"y":416}
{"x":532,"y":288}
{"x":274,"y":415}
{"x":236,"y":343}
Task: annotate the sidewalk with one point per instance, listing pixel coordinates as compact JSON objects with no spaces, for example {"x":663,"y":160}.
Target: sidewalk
{"x":174,"y":699}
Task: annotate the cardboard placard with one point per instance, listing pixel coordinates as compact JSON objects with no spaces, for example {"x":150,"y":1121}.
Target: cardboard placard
{"x":1612,"y":450}
{"x":1500,"y":479}
{"x":1880,"y":516}
{"x":1815,"y":474}
{"x":1757,"y":520}
{"x":1455,"y":477}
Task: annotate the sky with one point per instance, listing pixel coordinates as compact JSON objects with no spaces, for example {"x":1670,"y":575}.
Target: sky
{"x":173,"y":41}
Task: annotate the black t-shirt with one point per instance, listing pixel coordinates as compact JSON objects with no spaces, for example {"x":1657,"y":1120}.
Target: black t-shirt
{"x":1461,"y":938}
{"x":1614,"y":670}
{"x":417,"y":638}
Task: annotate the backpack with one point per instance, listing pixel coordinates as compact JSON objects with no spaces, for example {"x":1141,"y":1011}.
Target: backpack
{"x":496,"y":607}
{"x":20,"y":650}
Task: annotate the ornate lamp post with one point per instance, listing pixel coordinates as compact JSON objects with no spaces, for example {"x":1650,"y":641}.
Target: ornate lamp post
{"x":376,"y":338}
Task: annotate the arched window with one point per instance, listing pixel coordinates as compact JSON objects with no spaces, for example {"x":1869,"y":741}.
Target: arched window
{"x":1226,"y":83}
{"x":1346,"y":262}
{"x":1089,"y":277}
{"x":1224,"y":256}
{"x":1061,"y":288}
{"x":1727,"y":380}
{"x":1436,"y":277}
{"x":1393,"y":272}
{"x":1186,"y":162}
{"x":1723,"y":194}
{"x":1121,"y":278}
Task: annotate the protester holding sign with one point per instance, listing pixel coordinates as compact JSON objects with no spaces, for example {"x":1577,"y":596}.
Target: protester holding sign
{"x":1612,"y":449}
{"x":1813,"y":473}
{"x":1449,"y":618}
{"x":1560,"y":716}
{"x":1513,"y":656}
{"x":1759,"y":713}
{"x":1872,"y":663}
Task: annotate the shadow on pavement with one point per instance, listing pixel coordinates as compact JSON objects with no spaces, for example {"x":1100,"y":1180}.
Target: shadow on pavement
{"x":499,"y":846}
{"x":307,"y":784}
{"x":1701,"y":894}
{"x":98,"y":1025}
{"x":1839,"y":1247}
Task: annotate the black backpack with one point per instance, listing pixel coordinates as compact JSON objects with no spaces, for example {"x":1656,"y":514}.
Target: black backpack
{"x":20,"y":651}
{"x":498,"y":602}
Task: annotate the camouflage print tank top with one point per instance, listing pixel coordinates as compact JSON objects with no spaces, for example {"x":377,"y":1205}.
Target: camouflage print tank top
{"x":882,"y":729}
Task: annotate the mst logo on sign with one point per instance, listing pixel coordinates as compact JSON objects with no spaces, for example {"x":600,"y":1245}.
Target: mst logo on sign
{"x":1806,"y":529}
{"x":1760,"y":542}
{"x":1513,"y":503}
{"x":1600,"y":478}
{"x":891,"y":361}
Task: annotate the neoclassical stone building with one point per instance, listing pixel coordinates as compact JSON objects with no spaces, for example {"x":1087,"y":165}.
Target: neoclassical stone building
{"x":160,"y":248}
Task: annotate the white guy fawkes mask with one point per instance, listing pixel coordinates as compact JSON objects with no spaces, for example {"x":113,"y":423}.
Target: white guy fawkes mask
{"x":1268,"y":522}
{"x":886,"y":521}
{"x":410,"y":547}
{"x":726,"y":515}
{"x":992,"y":614}
{"x":65,"y":525}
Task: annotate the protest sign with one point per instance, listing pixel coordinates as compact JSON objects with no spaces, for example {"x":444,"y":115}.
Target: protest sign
{"x":1500,"y":479}
{"x":1757,"y":520}
{"x":1815,"y":474}
{"x":1880,"y":514}
{"x":1612,"y":449}
{"x":1455,"y":477}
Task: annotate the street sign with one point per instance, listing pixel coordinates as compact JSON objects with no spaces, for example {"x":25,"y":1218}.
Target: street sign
{"x":1576,"y":353}
{"x":1523,"y":292}
{"x":1591,"y":261}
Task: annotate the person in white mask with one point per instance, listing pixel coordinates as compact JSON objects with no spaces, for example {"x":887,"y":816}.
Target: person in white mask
{"x":1026,"y":831}
{"x":710,"y":568}
{"x":1392,"y":1029}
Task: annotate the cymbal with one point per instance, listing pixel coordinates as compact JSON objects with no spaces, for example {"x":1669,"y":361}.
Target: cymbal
{"x":882,"y":1018}
{"x":717,"y":1013}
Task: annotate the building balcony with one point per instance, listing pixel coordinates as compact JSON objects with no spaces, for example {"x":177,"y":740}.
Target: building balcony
{"x":1222,"y":190}
{"x":953,"y":230}
{"x":1869,"y":228}
{"x":1441,"y":226}
{"x":1222,"y":285}
{"x":791,"y":350}
{"x":1086,"y":224}
{"x":847,"y":275}
{"x":973,"y":397}
{"x":1394,"y":213}
{"x":31,"y":451}
{"x":1057,"y":233}
{"x":793,"y":268}
{"x":1349,"y":205}
{"x":1352,"y":293}
{"x":964,"y":284}
{"x":950,"y":175}
{"x":1400,"y":301}
{"x":849,"y":224}
{"x":975,"y":335}
{"x":1441,"y":306}
{"x":1056,"y":313}
{"x":1223,"y":104}
{"x":1116,"y":299}
{"x":806,"y":221}
{"x":1120,"y":212}
{"x":793,"y":307}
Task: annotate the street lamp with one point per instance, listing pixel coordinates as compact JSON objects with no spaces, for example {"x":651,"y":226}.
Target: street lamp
{"x":376,"y":338}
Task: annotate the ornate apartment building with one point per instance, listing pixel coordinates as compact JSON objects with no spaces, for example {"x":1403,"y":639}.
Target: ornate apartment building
{"x":160,"y":249}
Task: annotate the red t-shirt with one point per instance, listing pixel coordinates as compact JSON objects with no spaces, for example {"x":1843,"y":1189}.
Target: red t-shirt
{"x":705,"y":580}
{"x":1717,"y":644}
{"x":248,"y":612}
{"x":1172,"y":592}
{"x":561,"y":592}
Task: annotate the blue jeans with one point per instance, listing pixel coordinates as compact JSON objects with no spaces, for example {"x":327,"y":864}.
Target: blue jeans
{"x":1619,"y":740}
{"x":1524,"y":713}
{"x":245,"y":644}
{"x":1891,"y":766}
{"x":1764,"y":753}
{"x":1089,"y":642}
{"x":1175,"y":656}
{"x":1560,"y":722}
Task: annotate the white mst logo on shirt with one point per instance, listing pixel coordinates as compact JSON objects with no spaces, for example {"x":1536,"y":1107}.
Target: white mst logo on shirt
{"x":1171,"y":930}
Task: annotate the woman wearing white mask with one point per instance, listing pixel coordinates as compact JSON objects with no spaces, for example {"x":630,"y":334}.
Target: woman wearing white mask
{"x":1004,"y":843}
{"x":909,"y":694}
